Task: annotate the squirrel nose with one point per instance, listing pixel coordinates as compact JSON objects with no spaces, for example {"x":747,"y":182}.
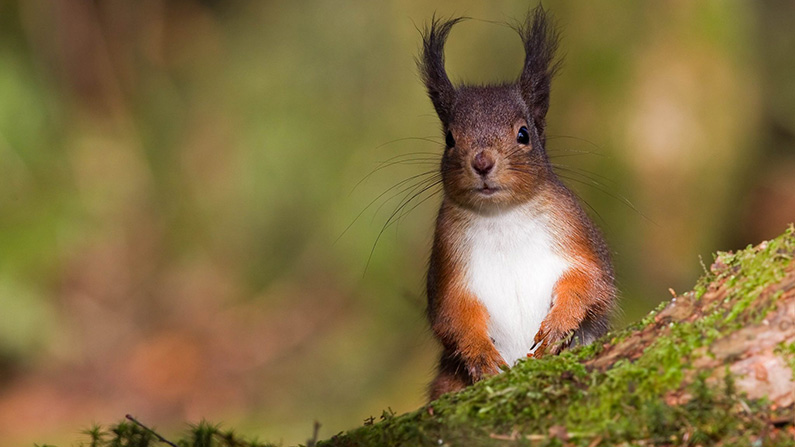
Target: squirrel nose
{"x":482,"y":163}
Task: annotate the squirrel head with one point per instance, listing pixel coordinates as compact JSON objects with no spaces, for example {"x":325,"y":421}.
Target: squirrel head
{"x":494,"y":134}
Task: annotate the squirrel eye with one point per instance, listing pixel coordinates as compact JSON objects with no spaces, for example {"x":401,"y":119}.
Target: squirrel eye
{"x":523,"y":137}
{"x":449,"y":140}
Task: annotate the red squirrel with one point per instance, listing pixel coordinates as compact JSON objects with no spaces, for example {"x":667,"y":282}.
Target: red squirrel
{"x":517,"y":268}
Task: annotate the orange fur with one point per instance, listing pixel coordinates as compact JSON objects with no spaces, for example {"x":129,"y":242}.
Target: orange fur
{"x":469,"y":354}
{"x":462,"y":318}
{"x":568,"y":311}
{"x":585,"y":289}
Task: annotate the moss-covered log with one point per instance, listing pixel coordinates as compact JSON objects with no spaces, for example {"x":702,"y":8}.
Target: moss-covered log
{"x":714,"y":366}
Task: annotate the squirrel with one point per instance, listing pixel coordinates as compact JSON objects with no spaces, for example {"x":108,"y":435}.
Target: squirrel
{"x":517,"y":268}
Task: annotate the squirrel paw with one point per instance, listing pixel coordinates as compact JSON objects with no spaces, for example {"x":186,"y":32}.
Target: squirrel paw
{"x":484,"y":364}
{"x":551,"y":340}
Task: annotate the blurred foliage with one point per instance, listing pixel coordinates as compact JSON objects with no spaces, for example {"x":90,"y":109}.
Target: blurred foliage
{"x":176,"y":177}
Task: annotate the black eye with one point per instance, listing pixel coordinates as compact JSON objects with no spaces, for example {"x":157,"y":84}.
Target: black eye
{"x":449,"y":140}
{"x":523,"y":137}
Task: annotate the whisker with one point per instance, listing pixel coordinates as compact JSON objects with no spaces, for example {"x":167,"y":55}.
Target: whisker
{"x":408,"y":190}
{"x":596,"y":185}
{"x":582,"y":199}
{"x":397,"y":185}
{"x":384,"y":165}
{"x":428,"y":139}
{"x":390,"y":220}
{"x":555,"y":137}
{"x":429,"y":154}
{"x":600,"y":187}
{"x":432,"y":194}
{"x":583,"y":172}
{"x":572,"y":153}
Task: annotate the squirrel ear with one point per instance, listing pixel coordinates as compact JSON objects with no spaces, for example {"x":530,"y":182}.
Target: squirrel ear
{"x":431,"y":65}
{"x":540,"y":42}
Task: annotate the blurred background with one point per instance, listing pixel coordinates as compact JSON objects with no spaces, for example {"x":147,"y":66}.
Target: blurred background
{"x":177,"y":178}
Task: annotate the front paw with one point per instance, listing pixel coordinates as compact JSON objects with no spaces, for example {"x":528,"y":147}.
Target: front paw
{"x":485,"y":363}
{"x":550,"y":339}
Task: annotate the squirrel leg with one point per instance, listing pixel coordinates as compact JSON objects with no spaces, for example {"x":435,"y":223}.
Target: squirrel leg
{"x":574,"y":297}
{"x":452,"y":376}
{"x":462,"y":326}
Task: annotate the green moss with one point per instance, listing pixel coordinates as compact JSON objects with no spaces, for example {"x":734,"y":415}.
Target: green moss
{"x":128,"y":434}
{"x":787,"y":352}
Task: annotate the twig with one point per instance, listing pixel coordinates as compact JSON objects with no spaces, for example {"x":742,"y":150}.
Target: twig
{"x":703,"y":266}
{"x":157,"y":435}
{"x":313,"y":442}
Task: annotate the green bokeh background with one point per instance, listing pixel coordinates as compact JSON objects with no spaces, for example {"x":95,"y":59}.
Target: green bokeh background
{"x":190,"y":191}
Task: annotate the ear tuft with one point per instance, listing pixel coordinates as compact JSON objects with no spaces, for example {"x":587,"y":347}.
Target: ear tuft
{"x":431,"y":65}
{"x":540,"y":43}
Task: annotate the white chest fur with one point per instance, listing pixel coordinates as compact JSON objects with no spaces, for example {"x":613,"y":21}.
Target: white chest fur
{"x":512,"y":268}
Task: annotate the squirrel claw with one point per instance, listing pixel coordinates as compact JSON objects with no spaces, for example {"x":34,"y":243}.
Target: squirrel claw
{"x":484,"y":366}
{"x":550,"y":340}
